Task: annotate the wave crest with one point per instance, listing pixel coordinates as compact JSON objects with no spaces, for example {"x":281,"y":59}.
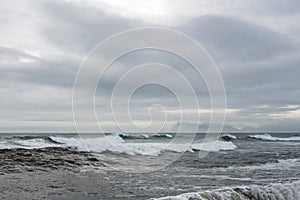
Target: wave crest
{"x":228,"y":137}
{"x":112,"y":143}
{"x":144,"y":136}
{"x":116,"y":144}
{"x":271,"y":138}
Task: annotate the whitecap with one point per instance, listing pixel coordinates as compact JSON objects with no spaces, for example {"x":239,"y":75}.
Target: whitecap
{"x":271,"y":138}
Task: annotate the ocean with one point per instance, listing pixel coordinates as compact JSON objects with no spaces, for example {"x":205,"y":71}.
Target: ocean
{"x":142,"y":166}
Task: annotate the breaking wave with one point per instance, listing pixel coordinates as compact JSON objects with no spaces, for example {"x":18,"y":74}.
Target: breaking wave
{"x":228,"y":137}
{"x":282,"y":191}
{"x":144,"y":136}
{"x":117,"y":144}
{"x":271,"y":138}
{"x":28,"y":142}
{"x":111,"y":143}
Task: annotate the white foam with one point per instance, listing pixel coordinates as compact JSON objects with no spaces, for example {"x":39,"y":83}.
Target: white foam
{"x":275,"y":191}
{"x":169,"y":136}
{"x":26,"y":144}
{"x":116,"y":144}
{"x":271,"y":138}
{"x":70,"y":142}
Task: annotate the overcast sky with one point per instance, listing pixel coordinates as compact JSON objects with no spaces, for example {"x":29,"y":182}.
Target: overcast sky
{"x":255,"y":44}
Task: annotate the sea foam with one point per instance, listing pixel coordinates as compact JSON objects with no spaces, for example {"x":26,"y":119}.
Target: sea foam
{"x":282,"y":191}
{"x":271,"y":138}
{"x":113,"y":143}
{"x":116,"y":144}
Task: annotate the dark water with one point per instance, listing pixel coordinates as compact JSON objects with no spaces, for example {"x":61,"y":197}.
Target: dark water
{"x":250,"y":166}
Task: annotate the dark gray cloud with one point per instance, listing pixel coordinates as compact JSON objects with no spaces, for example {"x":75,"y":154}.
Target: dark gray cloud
{"x":259,"y":65}
{"x":76,"y":27}
{"x":231,"y":39}
{"x":57,"y":73}
{"x":270,"y":83}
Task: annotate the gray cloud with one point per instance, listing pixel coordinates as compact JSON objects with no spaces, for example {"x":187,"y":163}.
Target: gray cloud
{"x":79,"y":28}
{"x":259,"y":66}
{"x":259,"y":63}
{"x":231,"y":39}
{"x":277,"y":7}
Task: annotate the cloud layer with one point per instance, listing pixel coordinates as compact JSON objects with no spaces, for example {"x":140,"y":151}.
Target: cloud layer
{"x":255,"y":45}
